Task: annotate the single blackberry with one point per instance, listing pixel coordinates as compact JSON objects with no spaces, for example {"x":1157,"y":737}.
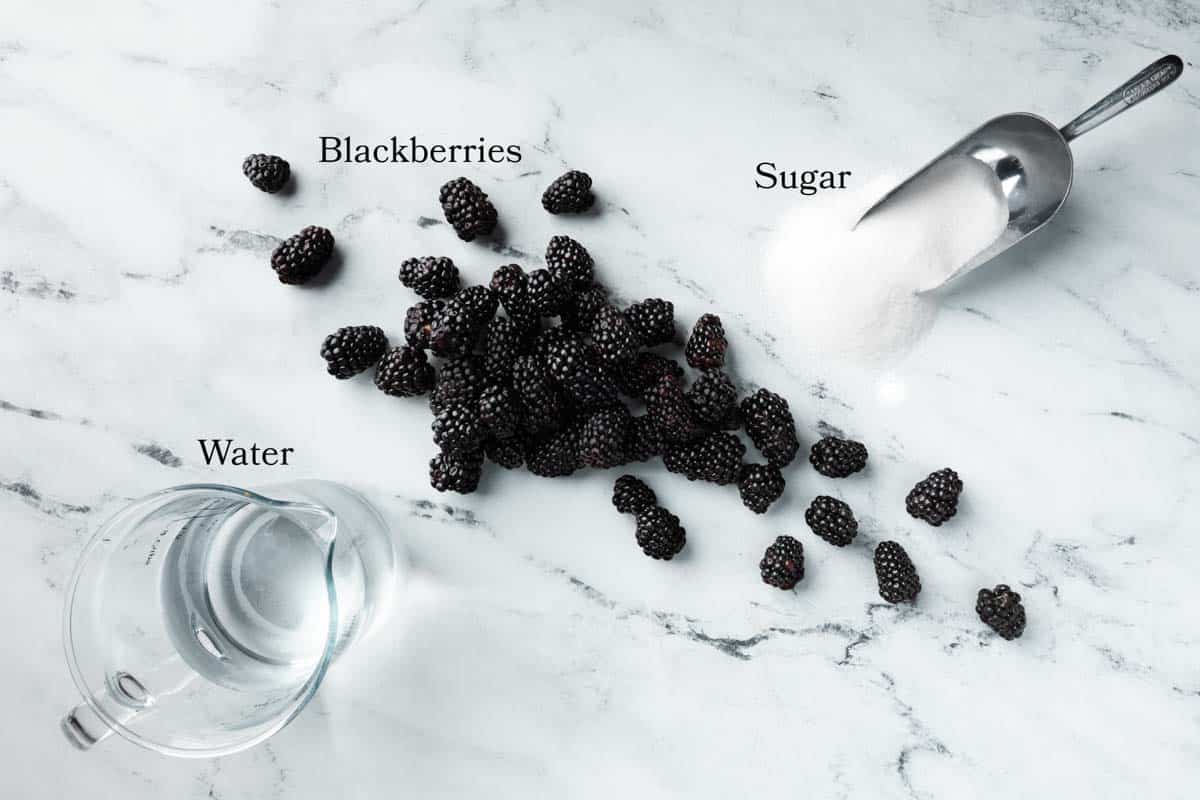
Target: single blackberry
{"x":456,"y":472}
{"x":935,"y":499}
{"x":635,"y":377}
{"x":431,"y":277}
{"x":591,"y":388}
{"x":832,"y":520}
{"x":543,"y":408}
{"x":613,"y":337}
{"x":653,"y":320}
{"x":706,"y":346}
{"x":659,"y":533}
{"x":457,"y":428}
{"x":266,"y":172}
{"x":782,"y":564}
{"x":456,"y":328}
{"x":712,"y":396}
{"x":760,"y":485}
{"x":570,"y":193}
{"x":716,"y":458}
{"x":299,"y":258}
{"x":1001,"y":610}
{"x":602,"y":438}
{"x":554,"y":456}
{"x":467,"y":209}
{"x":349,"y":351}
{"x":500,"y":411}
{"x":581,"y":308}
{"x":502,"y":343}
{"x":897,"y":577}
{"x":632,"y":496}
{"x":561,"y":351}
{"x":507,"y":453}
{"x":418,"y":322}
{"x":643,"y":440}
{"x":547,"y":296}
{"x":666,"y":405}
{"x":569,"y":262}
{"x":404,"y":372}
{"x":770,"y":426}
{"x":837,"y":458}
{"x":460,"y":380}
{"x":511,"y":285}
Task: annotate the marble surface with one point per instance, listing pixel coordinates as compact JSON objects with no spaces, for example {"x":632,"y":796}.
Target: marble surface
{"x":536,"y":652}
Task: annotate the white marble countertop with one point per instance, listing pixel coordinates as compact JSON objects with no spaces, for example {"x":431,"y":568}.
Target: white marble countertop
{"x":533,"y":657}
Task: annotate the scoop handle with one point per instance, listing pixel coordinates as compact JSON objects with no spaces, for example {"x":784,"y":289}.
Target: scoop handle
{"x":1159,"y":75}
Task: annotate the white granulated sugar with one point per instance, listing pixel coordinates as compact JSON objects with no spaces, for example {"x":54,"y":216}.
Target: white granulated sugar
{"x":854,"y":293}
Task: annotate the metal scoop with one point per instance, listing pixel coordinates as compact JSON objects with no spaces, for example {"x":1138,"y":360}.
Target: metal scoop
{"x":1032,"y":158}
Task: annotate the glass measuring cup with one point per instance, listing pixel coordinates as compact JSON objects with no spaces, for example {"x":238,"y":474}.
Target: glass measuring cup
{"x":202,"y":618}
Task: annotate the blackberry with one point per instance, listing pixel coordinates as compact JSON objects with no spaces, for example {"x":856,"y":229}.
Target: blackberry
{"x":760,"y":485}
{"x":266,"y":172}
{"x":935,"y":499}
{"x":643,"y":440}
{"x":431,"y":277}
{"x":716,"y":458}
{"x":613,"y":337}
{"x":547,"y":296}
{"x":457,"y":428}
{"x":832,"y":520}
{"x":659,"y":533}
{"x":418,"y":322}
{"x":712,"y":397}
{"x":511,"y":285}
{"x":457,"y":326}
{"x":502,"y":343}
{"x":602,"y":438}
{"x":706,"y":346}
{"x":460,"y":380}
{"x":570,"y":193}
{"x":837,"y":458}
{"x":632,"y":496}
{"x":404,"y":372}
{"x":299,"y":258}
{"x":543,"y":408}
{"x":467,"y":209}
{"x":897,"y":577}
{"x":561,"y":351}
{"x":1001,"y":610}
{"x":770,"y":426}
{"x":569,"y":262}
{"x":638,"y":375}
{"x":782,"y":564}
{"x":499,"y":411}
{"x":582,"y":307}
{"x":592,"y":387}
{"x":653,"y":320}
{"x":666,"y":405}
{"x":553,"y":456}
{"x":349,"y":351}
{"x":456,"y":472}
{"x":507,"y":453}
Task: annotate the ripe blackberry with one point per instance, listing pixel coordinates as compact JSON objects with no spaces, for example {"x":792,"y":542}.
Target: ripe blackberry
{"x":643,"y":440}
{"x":897,"y":577}
{"x":299,"y":258}
{"x":760,"y":485}
{"x":554,"y":456}
{"x":635,"y":377}
{"x":457,"y":428}
{"x":581,"y":307}
{"x":431,"y":277}
{"x":467,"y":209}
{"x":500,"y":411}
{"x":511,"y":285}
{"x":706,"y":346}
{"x":659,"y":533}
{"x":590,"y":388}
{"x":837,"y":458}
{"x":716,"y":458}
{"x":782,"y":564}
{"x":547,"y":296}
{"x":569,"y":262}
{"x":1001,"y":610}
{"x":456,"y":328}
{"x":653,"y":320}
{"x":507,"y":453}
{"x":349,"y":351}
{"x":602,"y":438}
{"x":712,"y":396}
{"x":632,"y":496}
{"x":613,"y":337}
{"x":570,"y":193}
{"x":460,"y":380}
{"x":418,"y":322}
{"x":935,"y":499}
{"x":543,"y":408}
{"x":266,"y":172}
{"x":502,"y":343}
{"x":666,"y":405}
{"x":456,"y":472}
{"x":832,"y":520}
{"x":561,"y":351}
{"x":404,"y":372}
{"x":770,"y":425}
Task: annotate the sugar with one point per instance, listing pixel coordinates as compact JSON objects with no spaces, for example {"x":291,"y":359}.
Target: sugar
{"x":837,"y":291}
